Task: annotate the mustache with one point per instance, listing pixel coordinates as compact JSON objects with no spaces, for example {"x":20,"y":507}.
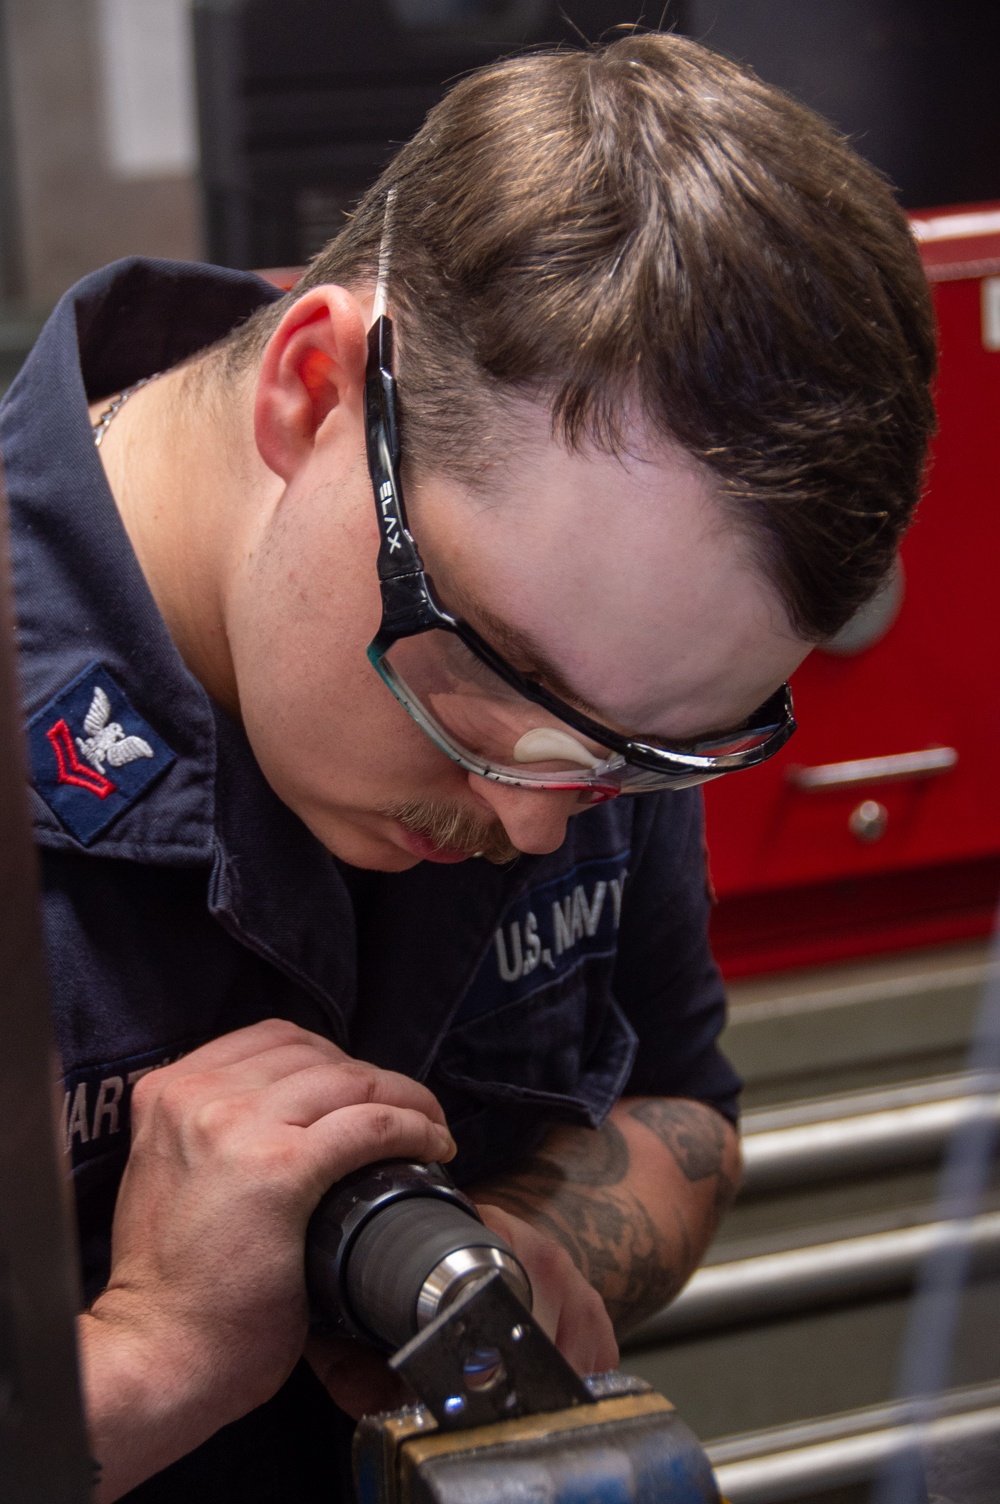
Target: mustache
{"x":456,"y":828}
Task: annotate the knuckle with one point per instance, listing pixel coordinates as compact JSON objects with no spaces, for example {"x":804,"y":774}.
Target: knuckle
{"x":208,"y":1122}
{"x":144,"y":1093}
{"x":281,"y":1031}
{"x":384,"y":1125}
{"x":364,"y":1080}
{"x":273,"y":1162}
{"x":172,"y":1100}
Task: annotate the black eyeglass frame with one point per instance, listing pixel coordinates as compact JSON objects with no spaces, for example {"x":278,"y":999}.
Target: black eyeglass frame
{"x":410,"y":608}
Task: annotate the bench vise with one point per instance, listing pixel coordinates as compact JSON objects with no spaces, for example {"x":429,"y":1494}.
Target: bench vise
{"x":501,"y":1416}
{"x":503,"y":1419}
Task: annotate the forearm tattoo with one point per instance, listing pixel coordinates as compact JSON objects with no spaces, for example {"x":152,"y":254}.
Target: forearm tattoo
{"x":697,"y":1138}
{"x":576,"y":1189}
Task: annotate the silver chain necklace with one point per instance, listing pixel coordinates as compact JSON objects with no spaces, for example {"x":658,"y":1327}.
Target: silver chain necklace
{"x":103,"y":423}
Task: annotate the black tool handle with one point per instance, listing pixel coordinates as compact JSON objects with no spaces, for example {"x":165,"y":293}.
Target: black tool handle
{"x":391,"y":1245}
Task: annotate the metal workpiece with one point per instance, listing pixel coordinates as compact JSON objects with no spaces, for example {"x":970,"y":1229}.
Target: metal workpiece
{"x":486,"y":1359}
{"x":506,"y":1419}
{"x":862,"y":1133}
{"x":460,"y":1268}
{"x":795,"y":1462}
{"x":635,"y":1450}
{"x":502,"y":1416}
{"x":632,"y":1449}
{"x":801,"y":1279}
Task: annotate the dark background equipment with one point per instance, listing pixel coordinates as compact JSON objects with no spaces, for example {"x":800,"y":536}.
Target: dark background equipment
{"x":43,"y":1457}
{"x":911,"y":81}
{"x":301,"y":102}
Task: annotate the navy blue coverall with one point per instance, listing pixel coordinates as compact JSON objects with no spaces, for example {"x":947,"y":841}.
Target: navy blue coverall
{"x":182,"y":899}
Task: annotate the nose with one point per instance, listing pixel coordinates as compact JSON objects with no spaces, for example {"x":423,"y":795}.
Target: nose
{"x":534,"y":819}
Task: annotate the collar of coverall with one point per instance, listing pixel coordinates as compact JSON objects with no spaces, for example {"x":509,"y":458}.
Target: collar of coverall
{"x":85,"y":611}
{"x":130,"y":758}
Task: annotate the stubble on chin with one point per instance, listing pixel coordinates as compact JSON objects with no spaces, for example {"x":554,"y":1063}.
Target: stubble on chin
{"x":456,"y":829}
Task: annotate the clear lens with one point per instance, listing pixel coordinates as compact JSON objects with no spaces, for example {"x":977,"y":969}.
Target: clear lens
{"x":475,"y":715}
{"x":485,"y":724}
{"x":646,"y":781}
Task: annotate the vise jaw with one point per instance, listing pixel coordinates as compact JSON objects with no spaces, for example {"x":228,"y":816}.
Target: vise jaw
{"x":630,"y":1449}
{"x":505,"y":1420}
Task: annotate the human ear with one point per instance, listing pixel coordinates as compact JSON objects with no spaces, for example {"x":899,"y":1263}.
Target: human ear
{"x":313,"y":366}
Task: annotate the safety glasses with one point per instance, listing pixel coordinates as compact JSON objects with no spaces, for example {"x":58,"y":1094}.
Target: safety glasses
{"x":476,"y":707}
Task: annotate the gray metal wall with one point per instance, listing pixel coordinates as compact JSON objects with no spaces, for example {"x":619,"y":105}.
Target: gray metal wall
{"x":65,"y":206}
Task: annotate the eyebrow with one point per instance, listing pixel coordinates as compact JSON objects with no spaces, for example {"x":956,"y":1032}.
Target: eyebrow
{"x":523,"y":653}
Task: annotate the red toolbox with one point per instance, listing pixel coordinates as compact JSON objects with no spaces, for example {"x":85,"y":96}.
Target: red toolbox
{"x":878,"y":827}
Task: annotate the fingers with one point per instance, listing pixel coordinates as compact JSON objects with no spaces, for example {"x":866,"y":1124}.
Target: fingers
{"x":288,"y":1107}
{"x":573,"y":1314}
{"x":308,"y":1094}
{"x":231,"y":1149}
{"x":364,"y":1134}
{"x":300,"y":1076}
{"x":499,"y":1221}
{"x":565,"y":1305}
{"x":356,"y":1377}
{"x":584,"y":1334}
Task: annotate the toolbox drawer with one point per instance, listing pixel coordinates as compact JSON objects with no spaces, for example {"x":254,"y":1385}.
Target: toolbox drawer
{"x":932,"y":681}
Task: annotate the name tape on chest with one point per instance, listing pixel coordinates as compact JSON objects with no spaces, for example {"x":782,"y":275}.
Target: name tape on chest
{"x":97,"y":1099}
{"x":92,"y":754}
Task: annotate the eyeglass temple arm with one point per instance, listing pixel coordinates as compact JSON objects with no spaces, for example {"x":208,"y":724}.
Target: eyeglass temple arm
{"x":397,"y":550}
{"x":405,"y":600}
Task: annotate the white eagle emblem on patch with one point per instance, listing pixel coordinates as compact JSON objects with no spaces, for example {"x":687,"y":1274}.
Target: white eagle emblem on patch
{"x":105,"y":740}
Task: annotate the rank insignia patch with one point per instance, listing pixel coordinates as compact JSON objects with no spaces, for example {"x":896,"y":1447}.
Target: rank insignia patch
{"x":92,"y":755}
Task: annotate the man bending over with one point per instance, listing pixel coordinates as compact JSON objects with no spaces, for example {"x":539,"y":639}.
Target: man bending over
{"x":361,"y":842}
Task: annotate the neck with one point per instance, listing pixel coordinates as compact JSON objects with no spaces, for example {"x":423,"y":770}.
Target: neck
{"x":182,"y":467}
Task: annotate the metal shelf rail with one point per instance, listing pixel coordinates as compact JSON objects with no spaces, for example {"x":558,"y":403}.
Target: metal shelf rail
{"x":841,"y":1137}
{"x":862,"y":1133}
{"x":800,"y":1279}
{"x":847,"y":1138}
{"x":794,"y":1462}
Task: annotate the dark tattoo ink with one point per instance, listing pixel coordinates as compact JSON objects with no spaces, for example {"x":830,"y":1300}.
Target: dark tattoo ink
{"x":694,"y":1133}
{"x":612,"y":1240}
{"x":625,"y":1256}
{"x":575,"y":1189}
{"x":581,"y":1156}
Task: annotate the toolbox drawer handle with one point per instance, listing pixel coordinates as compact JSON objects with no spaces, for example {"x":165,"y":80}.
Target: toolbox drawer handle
{"x":863,"y":770}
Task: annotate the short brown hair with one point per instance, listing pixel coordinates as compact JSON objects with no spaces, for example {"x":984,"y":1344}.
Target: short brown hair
{"x":648,"y":222}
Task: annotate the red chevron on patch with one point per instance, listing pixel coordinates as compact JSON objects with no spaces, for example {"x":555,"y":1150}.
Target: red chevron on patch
{"x":71,"y":769}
